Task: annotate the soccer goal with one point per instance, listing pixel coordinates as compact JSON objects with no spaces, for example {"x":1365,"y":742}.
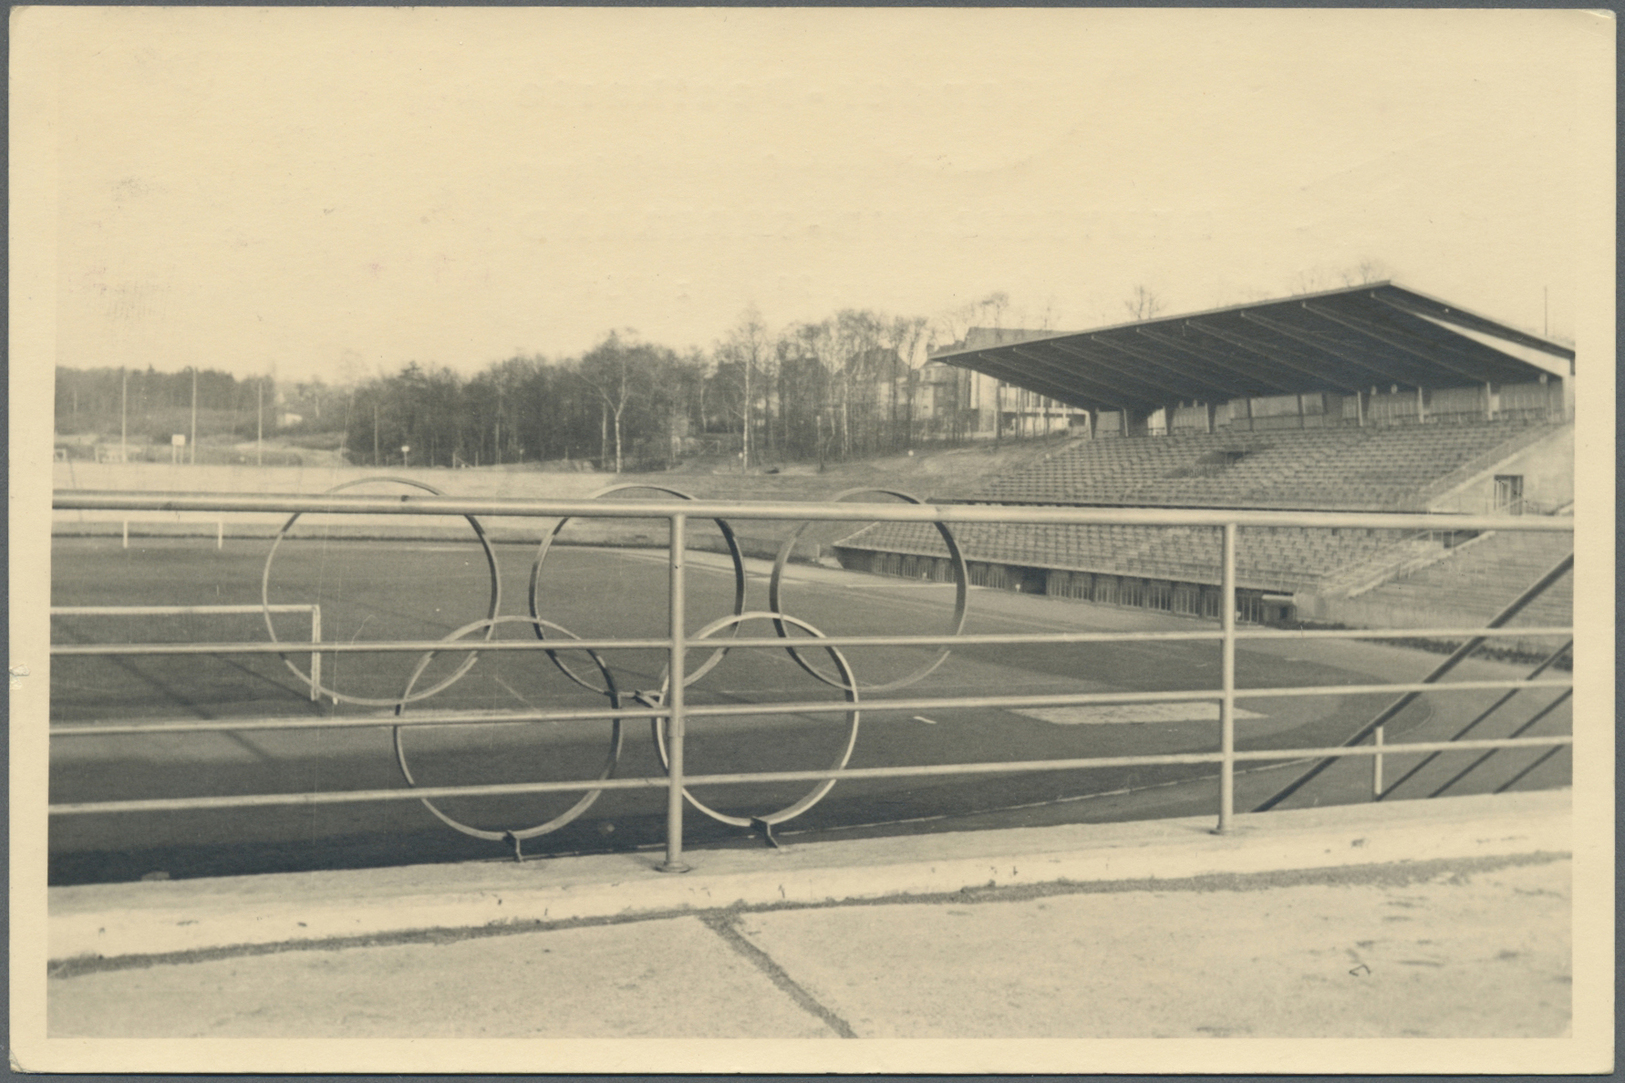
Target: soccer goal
{"x":315,"y":612}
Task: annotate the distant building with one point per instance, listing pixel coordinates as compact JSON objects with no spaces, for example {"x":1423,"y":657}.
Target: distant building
{"x":953,"y":402}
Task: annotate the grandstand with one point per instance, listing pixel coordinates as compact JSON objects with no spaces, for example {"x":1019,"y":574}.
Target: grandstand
{"x":1371,"y":399}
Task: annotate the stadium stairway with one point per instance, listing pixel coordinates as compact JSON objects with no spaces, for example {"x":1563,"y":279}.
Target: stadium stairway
{"x":1466,"y":584}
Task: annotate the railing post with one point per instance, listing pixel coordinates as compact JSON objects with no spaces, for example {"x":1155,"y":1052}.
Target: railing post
{"x":674,"y":703}
{"x":1376,"y":765}
{"x":315,"y":656}
{"x":1227,"y":666}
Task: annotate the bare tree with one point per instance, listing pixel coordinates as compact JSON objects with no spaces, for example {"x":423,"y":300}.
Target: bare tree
{"x":609,"y":369}
{"x":855,"y":364}
{"x":1365,"y":272}
{"x":992,"y":308}
{"x":1323,"y":278}
{"x":1143,"y":304}
{"x":951,"y":325}
{"x":907,"y":335}
{"x":750,"y":347}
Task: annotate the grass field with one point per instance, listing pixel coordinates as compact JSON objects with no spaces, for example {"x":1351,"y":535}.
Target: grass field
{"x":399,"y":590}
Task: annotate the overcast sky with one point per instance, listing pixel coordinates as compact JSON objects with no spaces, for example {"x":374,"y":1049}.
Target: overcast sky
{"x":342,"y":191}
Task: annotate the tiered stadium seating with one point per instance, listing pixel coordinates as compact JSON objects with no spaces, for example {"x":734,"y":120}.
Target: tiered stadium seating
{"x":1335,"y":468}
{"x":1096,"y":471}
{"x":1394,"y":466}
{"x":1286,"y":558}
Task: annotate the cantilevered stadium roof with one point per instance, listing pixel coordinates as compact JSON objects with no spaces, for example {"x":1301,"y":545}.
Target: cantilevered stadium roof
{"x":1374,"y":335}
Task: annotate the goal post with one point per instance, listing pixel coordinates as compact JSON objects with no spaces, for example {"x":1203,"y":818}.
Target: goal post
{"x":314,"y":610}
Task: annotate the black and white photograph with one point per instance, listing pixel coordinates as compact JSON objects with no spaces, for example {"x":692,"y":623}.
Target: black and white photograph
{"x":847,"y":540}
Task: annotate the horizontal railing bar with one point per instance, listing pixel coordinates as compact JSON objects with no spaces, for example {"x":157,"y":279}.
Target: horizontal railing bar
{"x":454,"y":718}
{"x":724,"y":710}
{"x":1403,"y":633}
{"x":175,"y":610}
{"x":382,"y":646}
{"x":847,"y":774}
{"x":426,"y":718}
{"x":86,"y":500}
{"x":1382,"y":689}
{"x":775,"y":642}
{"x":1079,"y":699}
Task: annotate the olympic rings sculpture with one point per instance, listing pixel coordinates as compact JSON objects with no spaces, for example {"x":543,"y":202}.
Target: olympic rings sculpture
{"x":574,"y":811}
{"x":369,"y":701}
{"x":775,"y":597}
{"x":812,"y":796}
{"x":728,"y":538}
{"x":839,"y":675}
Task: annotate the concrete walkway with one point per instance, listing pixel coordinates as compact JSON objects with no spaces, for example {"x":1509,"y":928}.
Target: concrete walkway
{"x":1438,"y":919}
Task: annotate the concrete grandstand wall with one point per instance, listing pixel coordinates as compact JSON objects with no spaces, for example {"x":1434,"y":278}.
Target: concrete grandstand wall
{"x":1546,"y":466}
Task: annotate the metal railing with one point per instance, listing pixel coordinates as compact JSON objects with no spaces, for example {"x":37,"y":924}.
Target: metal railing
{"x":672,"y":709}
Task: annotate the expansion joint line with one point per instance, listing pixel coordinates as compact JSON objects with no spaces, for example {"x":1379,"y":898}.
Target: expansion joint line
{"x":727,"y":927}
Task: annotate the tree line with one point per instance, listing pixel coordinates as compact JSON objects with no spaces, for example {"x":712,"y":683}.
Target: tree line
{"x":835,"y":389}
{"x":151,"y":406}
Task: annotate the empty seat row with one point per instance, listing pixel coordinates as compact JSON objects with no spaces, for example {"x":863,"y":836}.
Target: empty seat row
{"x":1285,"y":559}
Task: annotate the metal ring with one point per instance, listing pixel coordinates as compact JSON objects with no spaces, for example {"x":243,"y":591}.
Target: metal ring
{"x":370,"y":701}
{"x":807,"y":800}
{"x":961,"y":597}
{"x":547,"y":544}
{"x":574,"y":811}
